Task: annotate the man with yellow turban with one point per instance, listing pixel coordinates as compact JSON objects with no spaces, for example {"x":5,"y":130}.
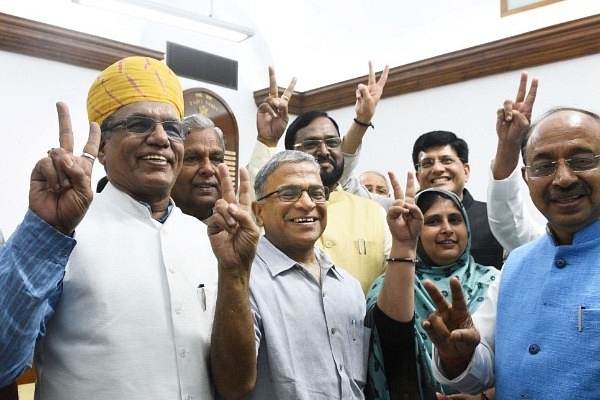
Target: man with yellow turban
{"x":118,"y":293}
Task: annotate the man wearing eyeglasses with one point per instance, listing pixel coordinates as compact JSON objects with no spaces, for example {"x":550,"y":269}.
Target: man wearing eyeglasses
{"x":542,"y":323}
{"x":357,"y":235}
{"x":307,"y":311}
{"x":441,"y":159}
{"x":118,"y":294}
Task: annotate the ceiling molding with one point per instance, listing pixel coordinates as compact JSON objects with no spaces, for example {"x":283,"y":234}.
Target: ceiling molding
{"x":560,"y":42}
{"x":36,"y":39}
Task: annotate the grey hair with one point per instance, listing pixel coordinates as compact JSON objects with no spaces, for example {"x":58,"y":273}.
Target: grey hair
{"x":283,"y":157}
{"x":385,"y":178}
{"x":200,"y":121}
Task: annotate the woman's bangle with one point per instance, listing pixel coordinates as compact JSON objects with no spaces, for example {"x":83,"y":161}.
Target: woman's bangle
{"x":366,"y":125}
{"x":402,"y":259}
{"x":484,"y":396}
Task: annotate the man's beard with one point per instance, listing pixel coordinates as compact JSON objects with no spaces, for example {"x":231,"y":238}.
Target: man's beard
{"x":332,"y":177}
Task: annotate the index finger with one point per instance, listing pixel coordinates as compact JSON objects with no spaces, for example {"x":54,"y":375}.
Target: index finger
{"x":371,"y":79}
{"x":273,"y":90}
{"x":227,"y":191}
{"x":396,"y":188}
{"x":65,"y":131}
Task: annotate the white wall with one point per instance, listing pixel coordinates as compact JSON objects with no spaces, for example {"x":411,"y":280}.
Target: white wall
{"x":30,"y":88}
{"x":469,"y":110}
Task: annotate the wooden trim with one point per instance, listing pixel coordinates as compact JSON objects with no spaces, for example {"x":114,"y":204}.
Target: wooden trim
{"x":505,"y":11}
{"x":36,"y":39}
{"x":560,"y":42}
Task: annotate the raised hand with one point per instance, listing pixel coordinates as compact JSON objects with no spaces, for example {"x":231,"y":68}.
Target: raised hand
{"x":60,"y":190}
{"x":451,"y":328}
{"x":512,"y":119}
{"x":272,"y":115}
{"x":233,"y":237}
{"x":515,"y":115}
{"x":404,"y":218}
{"x":232,"y":231}
{"x":396,"y":298}
{"x":367,"y":96}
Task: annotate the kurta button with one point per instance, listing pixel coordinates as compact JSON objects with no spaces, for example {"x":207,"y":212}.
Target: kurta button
{"x":534,"y":349}
{"x":333,"y":331}
{"x":561,"y":262}
{"x":178,"y":309}
{"x":341,"y":367}
{"x":328,"y":243}
{"x":172,"y":268}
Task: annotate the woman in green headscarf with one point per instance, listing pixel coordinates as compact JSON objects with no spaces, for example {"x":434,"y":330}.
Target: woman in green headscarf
{"x":400,"y":354}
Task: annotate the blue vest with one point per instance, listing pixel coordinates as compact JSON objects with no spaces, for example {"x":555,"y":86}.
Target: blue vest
{"x":548,"y":320}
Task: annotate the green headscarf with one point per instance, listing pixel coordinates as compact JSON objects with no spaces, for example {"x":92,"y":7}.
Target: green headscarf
{"x":475,"y":280}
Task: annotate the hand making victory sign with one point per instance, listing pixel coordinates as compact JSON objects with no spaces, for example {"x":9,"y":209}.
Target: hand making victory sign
{"x":367,"y":96}
{"x":404,"y":218}
{"x":233,"y":237}
{"x":232,"y":231}
{"x":60,"y":191}
{"x":451,"y":328}
{"x":511,"y":121}
{"x":272,"y":116}
{"x":515,"y":116}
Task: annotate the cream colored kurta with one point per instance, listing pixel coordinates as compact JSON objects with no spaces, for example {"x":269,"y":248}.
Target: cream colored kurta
{"x":356,"y":236}
{"x":130,"y":323}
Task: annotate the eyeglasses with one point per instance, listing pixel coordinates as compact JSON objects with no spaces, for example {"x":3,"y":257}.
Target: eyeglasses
{"x":427,"y":163}
{"x":291,"y":193}
{"x":312,"y":144}
{"x":140,"y":125}
{"x":578,"y":163}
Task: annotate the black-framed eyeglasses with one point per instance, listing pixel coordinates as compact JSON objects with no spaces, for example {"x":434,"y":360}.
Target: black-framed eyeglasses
{"x":578,"y":163}
{"x":311,"y":144}
{"x":427,"y":163}
{"x":141,"y":125}
{"x":291,"y":193}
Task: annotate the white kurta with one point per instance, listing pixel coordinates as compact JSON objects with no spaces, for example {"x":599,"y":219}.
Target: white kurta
{"x":130,"y":323}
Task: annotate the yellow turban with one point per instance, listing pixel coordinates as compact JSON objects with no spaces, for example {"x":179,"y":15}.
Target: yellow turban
{"x":130,"y":80}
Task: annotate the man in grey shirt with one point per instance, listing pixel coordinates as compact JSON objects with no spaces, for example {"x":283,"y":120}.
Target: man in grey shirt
{"x":308,"y":313}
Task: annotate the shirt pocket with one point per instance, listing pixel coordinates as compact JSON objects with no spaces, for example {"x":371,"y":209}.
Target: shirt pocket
{"x":358,"y":353}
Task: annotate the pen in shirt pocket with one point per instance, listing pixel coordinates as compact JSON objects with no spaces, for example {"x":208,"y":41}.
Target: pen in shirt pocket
{"x":580,"y":318}
{"x":202,"y":296}
{"x":362,"y":246}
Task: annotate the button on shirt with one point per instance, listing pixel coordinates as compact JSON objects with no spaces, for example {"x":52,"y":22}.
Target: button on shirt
{"x":310,"y":338}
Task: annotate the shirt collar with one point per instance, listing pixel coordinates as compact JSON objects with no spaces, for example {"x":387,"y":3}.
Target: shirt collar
{"x":277,"y":262}
{"x":164,"y":217}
